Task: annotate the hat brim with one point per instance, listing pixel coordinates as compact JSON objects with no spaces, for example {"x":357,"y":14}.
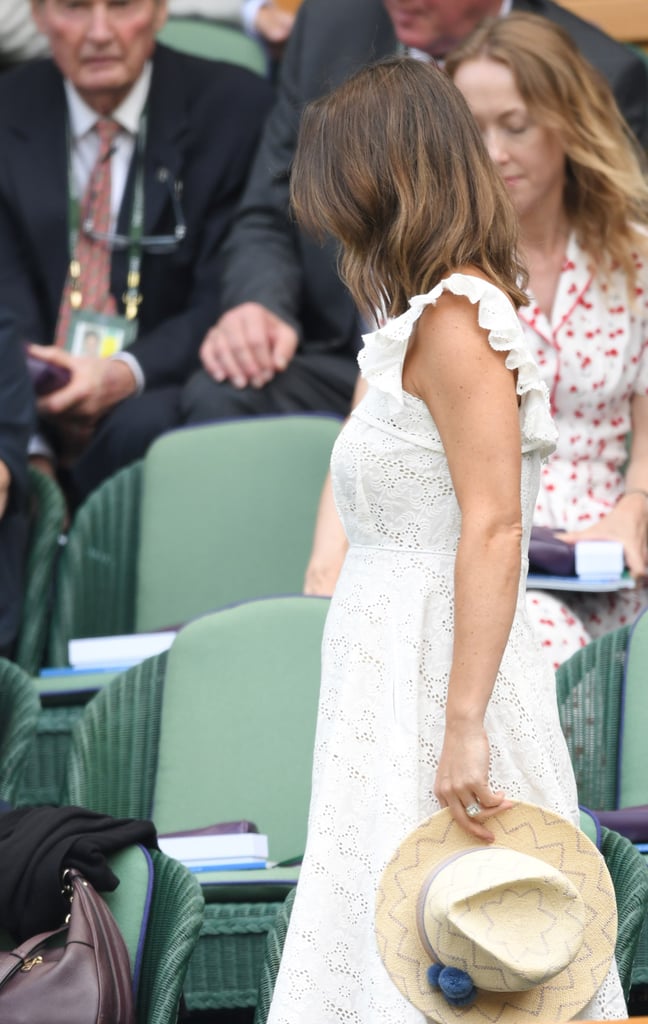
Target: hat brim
{"x":532,"y":830}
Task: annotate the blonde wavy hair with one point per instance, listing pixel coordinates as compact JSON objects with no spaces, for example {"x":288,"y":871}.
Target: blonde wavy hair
{"x":606,"y":192}
{"x":392,"y":165}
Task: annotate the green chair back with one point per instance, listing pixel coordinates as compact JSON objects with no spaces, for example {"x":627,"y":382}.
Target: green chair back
{"x":227,"y":514}
{"x":215,"y":41}
{"x":633,"y":753}
{"x":238,"y":720}
{"x":212,"y":516}
{"x":19,"y":712}
{"x":46,"y":519}
{"x":220,"y":728}
{"x":588,"y":687}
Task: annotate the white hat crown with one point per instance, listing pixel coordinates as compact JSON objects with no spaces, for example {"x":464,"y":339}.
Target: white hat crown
{"x":509,"y":920}
{"x":517,"y":931}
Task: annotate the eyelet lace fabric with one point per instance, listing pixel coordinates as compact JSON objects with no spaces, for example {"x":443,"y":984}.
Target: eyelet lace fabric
{"x":385,"y":661}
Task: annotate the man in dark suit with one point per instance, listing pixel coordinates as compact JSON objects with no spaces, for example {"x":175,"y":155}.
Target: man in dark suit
{"x":185,"y":131}
{"x":290,"y":334}
{"x":16,"y":423}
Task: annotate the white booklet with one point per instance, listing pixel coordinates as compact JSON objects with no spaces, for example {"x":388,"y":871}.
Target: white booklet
{"x":93,"y":652}
{"x":211,"y":852}
{"x":539,"y":581}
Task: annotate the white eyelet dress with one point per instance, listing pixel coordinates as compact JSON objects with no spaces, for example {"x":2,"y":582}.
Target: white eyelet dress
{"x":385,"y":663}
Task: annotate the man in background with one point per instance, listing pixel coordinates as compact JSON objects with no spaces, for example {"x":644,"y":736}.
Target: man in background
{"x":121,"y":163}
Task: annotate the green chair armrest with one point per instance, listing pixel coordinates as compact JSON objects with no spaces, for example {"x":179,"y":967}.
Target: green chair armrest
{"x":113,"y":749}
{"x":19,"y":711}
{"x":95,"y":581}
{"x":174,"y":925}
{"x":47,"y":516}
{"x":629,"y":873}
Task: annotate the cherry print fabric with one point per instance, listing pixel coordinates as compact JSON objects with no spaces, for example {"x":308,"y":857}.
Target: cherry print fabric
{"x":386,"y":657}
{"x":593,"y":357}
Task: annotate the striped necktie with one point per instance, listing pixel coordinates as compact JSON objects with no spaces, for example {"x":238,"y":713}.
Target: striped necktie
{"x":90,"y":289}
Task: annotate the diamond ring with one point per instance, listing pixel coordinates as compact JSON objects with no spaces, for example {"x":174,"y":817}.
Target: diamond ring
{"x":472,"y":810}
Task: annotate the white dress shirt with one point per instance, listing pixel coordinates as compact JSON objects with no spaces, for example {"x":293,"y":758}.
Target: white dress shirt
{"x":84,"y":140}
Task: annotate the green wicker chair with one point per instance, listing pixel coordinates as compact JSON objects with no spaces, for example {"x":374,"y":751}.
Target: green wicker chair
{"x":627,"y":870}
{"x":19,"y":711}
{"x":601,"y":700}
{"x":46,"y":521}
{"x":589,"y":688}
{"x":214,"y":41}
{"x":158,"y":906}
{"x":199,"y":735}
{"x":212,"y":516}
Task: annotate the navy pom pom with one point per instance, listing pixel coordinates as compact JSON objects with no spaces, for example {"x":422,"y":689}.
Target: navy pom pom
{"x":457,"y":986}
{"x":433,"y":972}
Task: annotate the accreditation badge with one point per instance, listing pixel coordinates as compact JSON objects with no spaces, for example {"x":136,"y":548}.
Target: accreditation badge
{"x":99,"y":334}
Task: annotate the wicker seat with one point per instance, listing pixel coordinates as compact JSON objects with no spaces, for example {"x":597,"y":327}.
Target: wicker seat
{"x":589,"y":688}
{"x":211,"y":516}
{"x":199,"y":735}
{"x":604,"y":715}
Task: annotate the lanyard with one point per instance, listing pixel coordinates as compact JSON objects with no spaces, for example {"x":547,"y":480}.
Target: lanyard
{"x":131,"y":297}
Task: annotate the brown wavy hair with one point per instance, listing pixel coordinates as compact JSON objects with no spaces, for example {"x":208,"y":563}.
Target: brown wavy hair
{"x":392,"y":165}
{"x":606,"y":193}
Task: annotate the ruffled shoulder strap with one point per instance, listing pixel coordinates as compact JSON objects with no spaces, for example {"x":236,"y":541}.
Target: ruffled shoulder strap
{"x":381,"y":360}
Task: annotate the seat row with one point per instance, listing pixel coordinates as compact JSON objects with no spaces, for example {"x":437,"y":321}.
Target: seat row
{"x":221,"y":728}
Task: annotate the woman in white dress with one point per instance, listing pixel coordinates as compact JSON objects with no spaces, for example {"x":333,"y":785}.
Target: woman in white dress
{"x":434,"y":689}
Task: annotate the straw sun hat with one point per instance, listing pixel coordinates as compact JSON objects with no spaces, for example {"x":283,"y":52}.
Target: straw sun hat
{"x":528,"y":923}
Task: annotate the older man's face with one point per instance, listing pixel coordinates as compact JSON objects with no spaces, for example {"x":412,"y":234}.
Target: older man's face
{"x":435,"y":26}
{"x":100,"y":45}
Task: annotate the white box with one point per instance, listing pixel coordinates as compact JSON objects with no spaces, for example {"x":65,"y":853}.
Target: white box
{"x":599,"y":559}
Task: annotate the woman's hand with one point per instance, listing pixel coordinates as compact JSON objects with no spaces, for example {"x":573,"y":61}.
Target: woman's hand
{"x":462,"y":779}
{"x":627,"y":523}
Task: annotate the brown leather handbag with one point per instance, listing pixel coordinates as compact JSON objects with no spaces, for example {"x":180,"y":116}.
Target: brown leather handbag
{"x":78,"y":974}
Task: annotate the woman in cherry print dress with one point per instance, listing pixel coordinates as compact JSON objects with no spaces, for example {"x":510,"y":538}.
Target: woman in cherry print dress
{"x":552,"y":127}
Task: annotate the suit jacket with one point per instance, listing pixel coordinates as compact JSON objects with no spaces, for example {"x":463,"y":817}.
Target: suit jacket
{"x":16,"y":424}
{"x":204,"y":118}
{"x":268,"y":259}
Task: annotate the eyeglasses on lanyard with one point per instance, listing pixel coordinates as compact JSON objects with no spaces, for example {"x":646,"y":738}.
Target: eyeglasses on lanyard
{"x":152,"y":243}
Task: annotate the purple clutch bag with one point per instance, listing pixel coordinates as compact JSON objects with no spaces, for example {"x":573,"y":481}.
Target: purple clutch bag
{"x":631,"y":822}
{"x":549,"y":555}
{"x":45,"y":377}
{"x":220,"y":828}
